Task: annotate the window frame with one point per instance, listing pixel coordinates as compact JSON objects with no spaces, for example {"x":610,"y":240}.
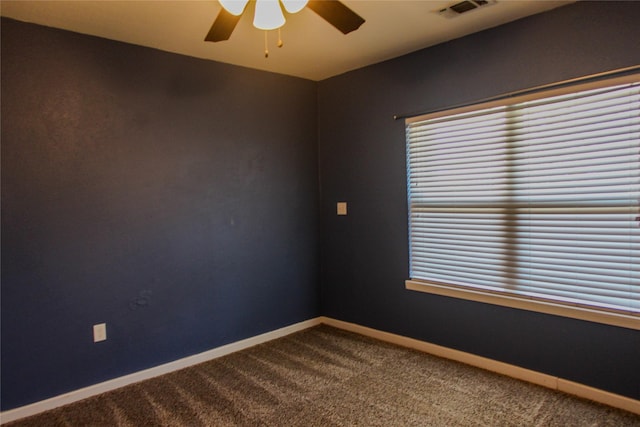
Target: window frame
{"x":541,"y":305}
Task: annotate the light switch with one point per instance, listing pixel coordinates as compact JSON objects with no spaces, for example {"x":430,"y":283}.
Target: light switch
{"x":342,"y":208}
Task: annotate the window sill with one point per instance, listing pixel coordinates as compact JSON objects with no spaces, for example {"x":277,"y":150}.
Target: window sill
{"x":610,"y":318}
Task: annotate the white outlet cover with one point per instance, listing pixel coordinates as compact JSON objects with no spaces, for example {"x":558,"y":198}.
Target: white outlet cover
{"x":99,"y":332}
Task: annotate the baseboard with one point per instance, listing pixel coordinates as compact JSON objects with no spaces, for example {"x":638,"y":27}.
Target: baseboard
{"x":83,"y":393}
{"x":549,"y":381}
{"x":513,"y":371}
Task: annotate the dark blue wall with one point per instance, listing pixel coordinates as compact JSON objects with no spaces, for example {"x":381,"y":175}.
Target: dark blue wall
{"x":362,"y":161}
{"x":173,"y":198}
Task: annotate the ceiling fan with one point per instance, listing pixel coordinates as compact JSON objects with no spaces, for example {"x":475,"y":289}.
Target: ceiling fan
{"x":332,"y":11}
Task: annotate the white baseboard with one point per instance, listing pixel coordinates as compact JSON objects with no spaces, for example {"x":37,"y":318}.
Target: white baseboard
{"x":513,"y":371}
{"x":83,"y":393}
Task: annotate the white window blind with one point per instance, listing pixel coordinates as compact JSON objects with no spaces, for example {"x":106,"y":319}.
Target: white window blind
{"x":536,"y":199}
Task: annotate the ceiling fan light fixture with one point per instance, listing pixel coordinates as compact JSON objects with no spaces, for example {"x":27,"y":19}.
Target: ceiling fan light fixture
{"x":294,"y":6}
{"x":268,"y":15}
{"x":234,"y":7}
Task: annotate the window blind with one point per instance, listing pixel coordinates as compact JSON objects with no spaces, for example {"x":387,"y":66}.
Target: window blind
{"x":535,"y":198}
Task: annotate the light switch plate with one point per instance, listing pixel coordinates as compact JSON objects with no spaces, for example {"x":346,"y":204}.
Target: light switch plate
{"x":342,"y":208}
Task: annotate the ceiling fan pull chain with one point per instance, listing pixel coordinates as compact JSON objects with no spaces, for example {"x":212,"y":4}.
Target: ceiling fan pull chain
{"x":280,"y":43}
{"x":266,"y":45}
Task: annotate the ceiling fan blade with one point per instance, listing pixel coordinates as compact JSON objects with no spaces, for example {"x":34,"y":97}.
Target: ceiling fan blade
{"x":222,"y":27}
{"x":337,"y":14}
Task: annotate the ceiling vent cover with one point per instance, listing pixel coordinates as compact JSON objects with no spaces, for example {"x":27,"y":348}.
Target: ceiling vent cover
{"x":458,"y":9}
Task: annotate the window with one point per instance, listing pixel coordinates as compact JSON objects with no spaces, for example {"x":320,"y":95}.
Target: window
{"x":532,"y":202}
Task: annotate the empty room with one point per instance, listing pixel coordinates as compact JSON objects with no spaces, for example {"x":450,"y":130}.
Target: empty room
{"x":337,"y":213}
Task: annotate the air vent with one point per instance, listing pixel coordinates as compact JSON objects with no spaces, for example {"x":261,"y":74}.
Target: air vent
{"x":458,"y":9}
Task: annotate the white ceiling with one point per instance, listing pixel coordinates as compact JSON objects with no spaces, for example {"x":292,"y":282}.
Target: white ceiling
{"x":313,"y":49}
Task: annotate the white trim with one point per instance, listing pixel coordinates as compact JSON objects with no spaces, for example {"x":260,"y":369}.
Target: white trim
{"x":598,"y":395}
{"x":549,"y":381}
{"x":83,"y":393}
{"x":575,"y":312}
{"x":513,"y":371}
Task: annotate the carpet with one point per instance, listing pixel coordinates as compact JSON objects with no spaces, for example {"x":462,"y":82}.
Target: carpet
{"x":328,"y":377}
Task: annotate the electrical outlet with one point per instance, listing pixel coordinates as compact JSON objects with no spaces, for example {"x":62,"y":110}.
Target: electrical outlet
{"x":99,"y":332}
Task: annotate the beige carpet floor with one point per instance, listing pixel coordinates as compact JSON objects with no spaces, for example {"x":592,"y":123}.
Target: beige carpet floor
{"x":328,"y":377}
